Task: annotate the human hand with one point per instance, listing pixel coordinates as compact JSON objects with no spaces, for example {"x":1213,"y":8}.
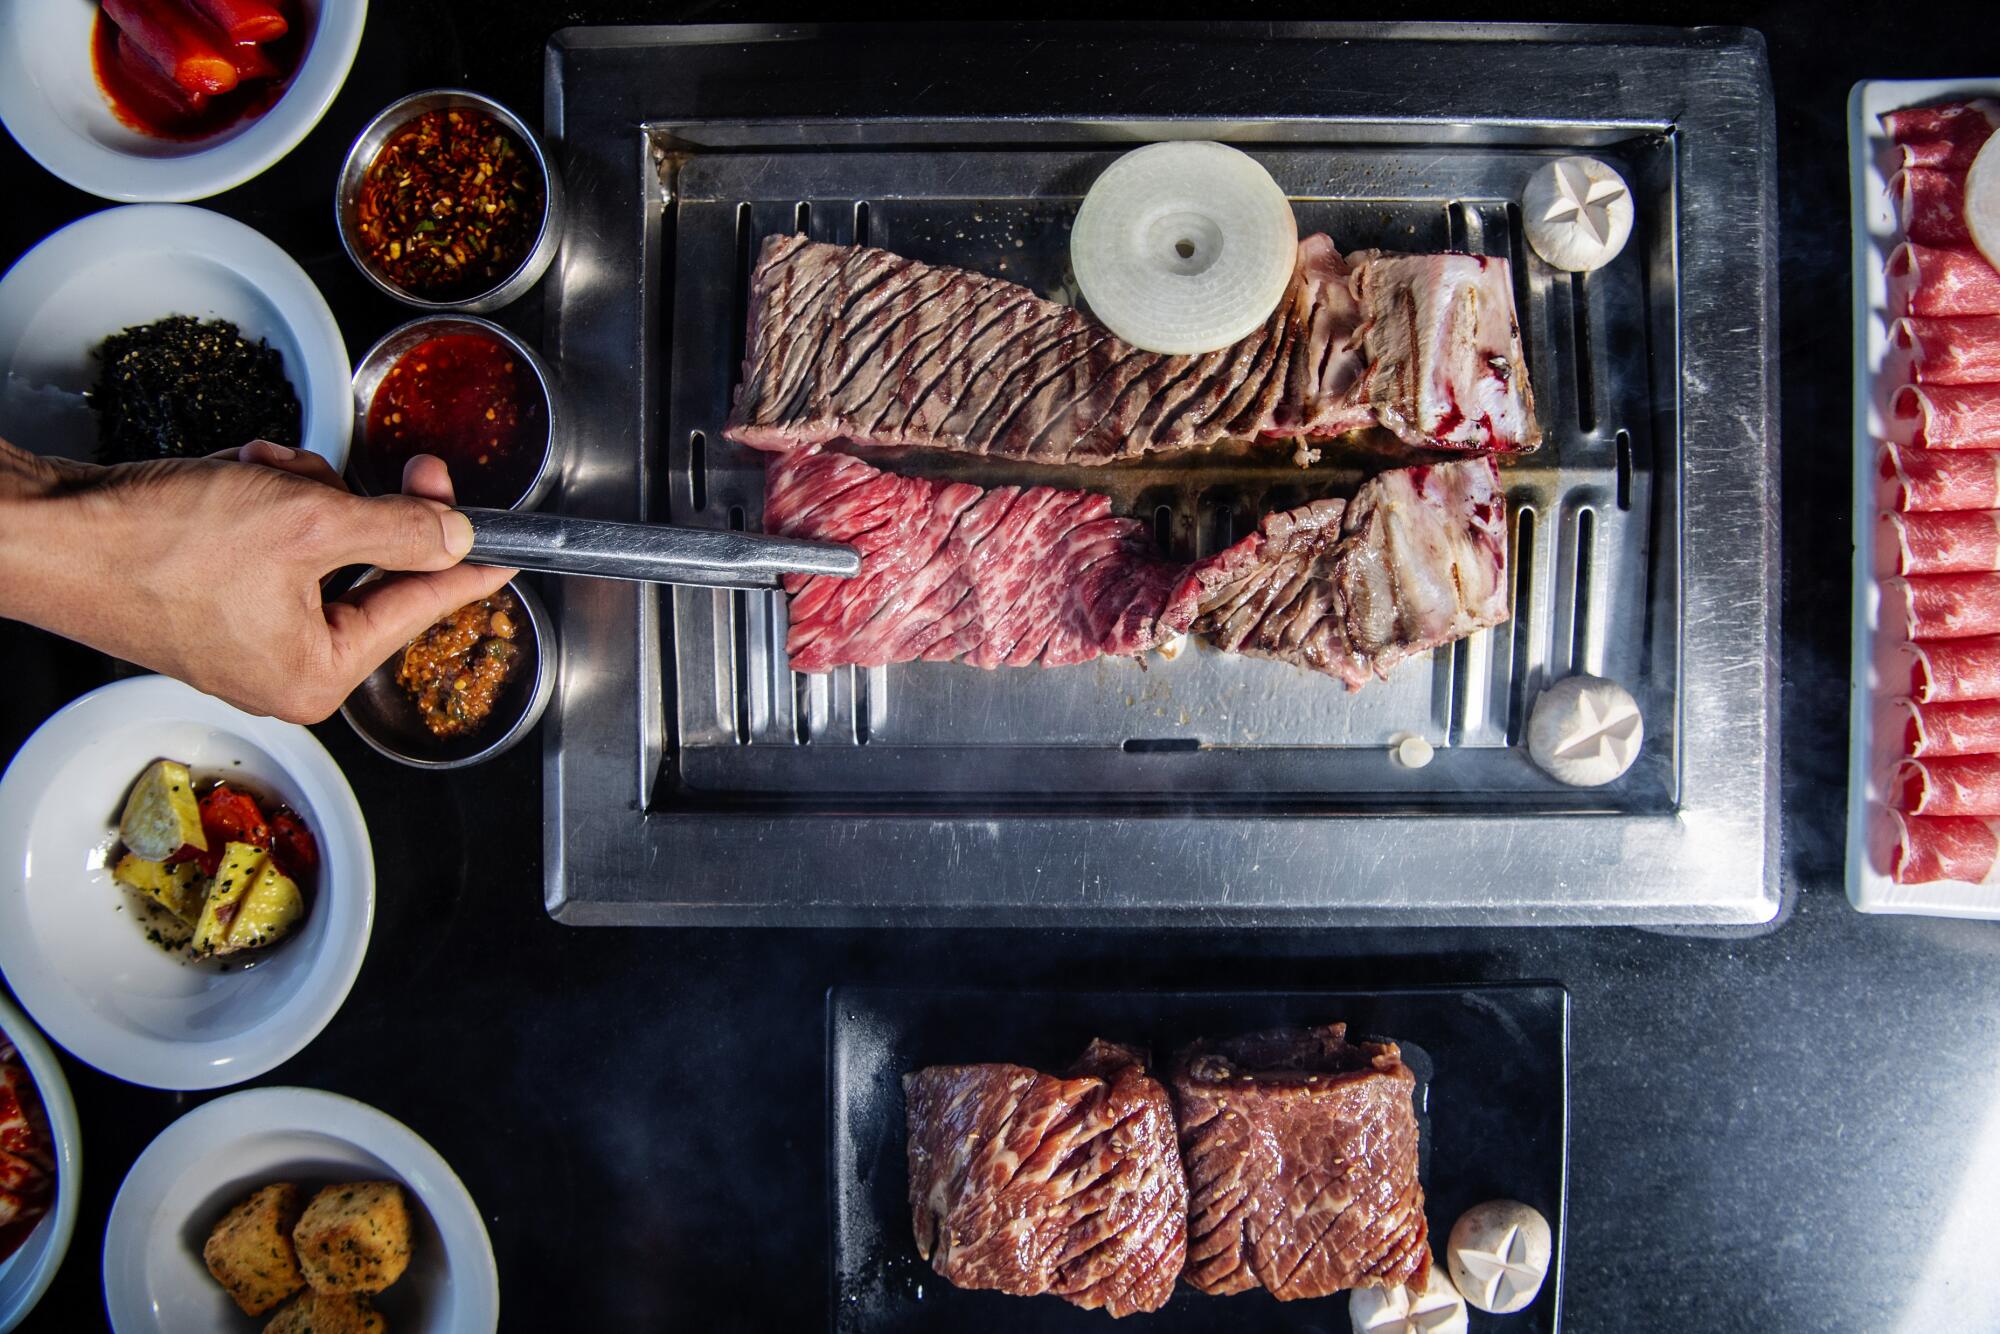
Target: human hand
{"x":209,"y":569}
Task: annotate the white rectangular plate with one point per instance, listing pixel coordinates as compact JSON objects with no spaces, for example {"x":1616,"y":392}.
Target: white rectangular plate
{"x":1875,"y":235}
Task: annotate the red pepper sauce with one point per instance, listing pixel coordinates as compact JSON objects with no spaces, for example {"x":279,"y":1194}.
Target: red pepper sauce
{"x":470,"y":401}
{"x":146,"y":100}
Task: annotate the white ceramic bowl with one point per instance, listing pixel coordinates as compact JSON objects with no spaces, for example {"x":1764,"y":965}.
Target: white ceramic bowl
{"x":202,"y":1164}
{"x":26,"y":1275}
{"x":78,"y":960}
{"x":134,"y":265}
{"x":50,"y":100}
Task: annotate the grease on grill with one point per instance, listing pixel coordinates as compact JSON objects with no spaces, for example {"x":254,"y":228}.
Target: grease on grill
{"x":455,"y":669}
{"x":182,"y":387}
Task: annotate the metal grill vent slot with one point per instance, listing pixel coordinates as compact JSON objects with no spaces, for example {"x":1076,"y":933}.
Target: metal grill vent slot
{"x":1579,"y":648}
{"x":1586,"y":374}
{"x":1525,"y":616}
{"x":1207,"y":723}
{"x":739,"y":307}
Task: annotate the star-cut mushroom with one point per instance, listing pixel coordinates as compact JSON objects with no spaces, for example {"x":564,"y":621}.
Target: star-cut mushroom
{"x":1436,"y":1309}
{"x":1499,"y":1255}
{"x":1578,"y":213}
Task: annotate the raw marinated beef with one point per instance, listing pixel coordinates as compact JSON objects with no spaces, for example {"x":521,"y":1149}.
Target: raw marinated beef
{"x":1930,"y":205}
{"x":1301,"y":1153}
{"x":1952,"y":785}
{"x":1955,"y":542}
{"x":1943,"y":847}
{"x":1951,"y":670}
{"x":1041,"y":577}
{"x":1958,"y":350}
{"x":1968,"y":728}
{"x":1939,"y":479}
{"x":1006,"y":577}
{"x":1955,"y":281}
{"x":1951,"y":416}
{"x":1417,"y":559}
{"x":1032,"y":1183}
{"x":1948,"y":136}
{"x":1942,"y":606}
{"x":863,"y":345}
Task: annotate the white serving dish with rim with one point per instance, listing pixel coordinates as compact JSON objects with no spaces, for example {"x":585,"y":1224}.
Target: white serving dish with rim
{"x":1878,"y":371}
{"x":78,"y":960}
{"x":141,"y":263}
{"x":26,"y":1274}
{"x":202,"y":1164}
{"x":50,"y":101}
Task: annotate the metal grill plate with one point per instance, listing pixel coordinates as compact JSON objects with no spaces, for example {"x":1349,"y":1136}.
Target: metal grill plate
{"x":1583,"y":507}
{"x":693,"y":777}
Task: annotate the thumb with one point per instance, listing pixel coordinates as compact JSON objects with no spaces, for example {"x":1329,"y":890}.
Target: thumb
{"x":373,"y":622}
{"x":403,"y":533}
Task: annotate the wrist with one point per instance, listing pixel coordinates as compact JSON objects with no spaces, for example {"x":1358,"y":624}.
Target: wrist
{"x":31,"y":498}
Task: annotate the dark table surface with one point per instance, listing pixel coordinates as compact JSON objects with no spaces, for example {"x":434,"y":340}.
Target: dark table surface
{"x":1785,"y":1131}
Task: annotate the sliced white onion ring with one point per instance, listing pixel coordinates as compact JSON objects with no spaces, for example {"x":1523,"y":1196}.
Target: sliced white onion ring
{"x":1982,"y":201}
{"x":1184,"y":247}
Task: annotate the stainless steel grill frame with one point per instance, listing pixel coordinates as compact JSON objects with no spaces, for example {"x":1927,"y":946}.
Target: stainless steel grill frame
{"x":691,"y":777}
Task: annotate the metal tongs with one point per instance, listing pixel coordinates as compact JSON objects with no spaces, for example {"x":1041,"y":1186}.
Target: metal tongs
{"x":647,"y":552}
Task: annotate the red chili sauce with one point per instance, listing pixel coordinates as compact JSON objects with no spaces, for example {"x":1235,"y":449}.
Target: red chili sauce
{"x":146,"y":99}
{"x":470,"y":401}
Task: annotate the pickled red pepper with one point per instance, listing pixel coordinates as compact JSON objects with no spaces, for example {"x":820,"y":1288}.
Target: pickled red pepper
{"x":451,"y":205}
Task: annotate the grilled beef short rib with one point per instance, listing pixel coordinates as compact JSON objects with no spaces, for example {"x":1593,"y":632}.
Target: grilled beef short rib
{"x":860,"y":344}
{"x":1301,"y":1154}
{"x":1032,"y":1183}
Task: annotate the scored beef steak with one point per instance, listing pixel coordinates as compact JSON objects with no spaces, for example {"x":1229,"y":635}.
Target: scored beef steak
{"x":860,"y":344}
{"x":1017,"y":576}
{"x":1032,"y":1183}
{"x":1010,"y":576}
{"x":1301,"y":1154}
{"x":1416,"y":560}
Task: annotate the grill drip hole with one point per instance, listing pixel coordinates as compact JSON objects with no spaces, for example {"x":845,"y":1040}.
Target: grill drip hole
{"x":1624,"y":470}
{"x":802,"y":217}
{"x":1163,"y":529}
{"x":1524,"y":307}
{"x":802,"y":708}
{"x":739,"y":330}
{"x":698,"y":469}
{"x":1586,"y":384}
{"x":863,"y":683}
{"x":861,"y":222}
{"x":1222,"y":524}
{"x":1459,"y":226}
{"x":1523,"y":618}
{"x":1586,"y":541}
{"x":739,"y":634}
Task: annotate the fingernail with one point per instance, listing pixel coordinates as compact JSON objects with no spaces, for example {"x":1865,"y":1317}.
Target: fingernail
{"x":278,"y":451}
{"x":457,"y":534}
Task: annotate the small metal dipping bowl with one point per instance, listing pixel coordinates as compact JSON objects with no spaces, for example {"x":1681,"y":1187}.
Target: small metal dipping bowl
{"x":362,"y":156}
{"x":384,"y":716}
{"x":390,"y":349}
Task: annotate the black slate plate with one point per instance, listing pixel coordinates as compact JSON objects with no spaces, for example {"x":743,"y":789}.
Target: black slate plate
{"x":1492,"y":1099}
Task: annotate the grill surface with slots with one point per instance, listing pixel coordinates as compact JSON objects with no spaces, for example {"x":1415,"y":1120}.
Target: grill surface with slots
{"x":1208,"y":725}
{"x":689,"y":778}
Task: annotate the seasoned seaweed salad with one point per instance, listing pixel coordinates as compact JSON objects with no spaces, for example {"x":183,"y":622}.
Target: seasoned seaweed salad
{"x":182,"y":387}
